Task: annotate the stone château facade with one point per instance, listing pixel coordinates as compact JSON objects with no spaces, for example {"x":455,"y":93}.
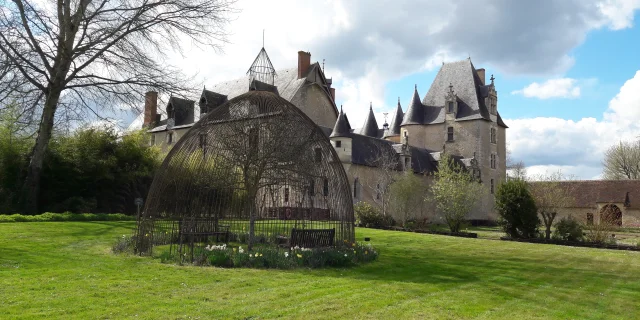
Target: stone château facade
{"x":458,"y":115}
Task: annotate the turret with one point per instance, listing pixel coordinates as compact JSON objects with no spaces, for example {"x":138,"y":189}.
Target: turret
{"x":370,"y":127}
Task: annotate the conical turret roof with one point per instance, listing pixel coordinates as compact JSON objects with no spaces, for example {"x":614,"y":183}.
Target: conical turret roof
{"x":415,"y":112}
{"x":342,"y":128}
{"x":370,"y":127}
{"x":396,"y":121}
{"x":262,"y":69}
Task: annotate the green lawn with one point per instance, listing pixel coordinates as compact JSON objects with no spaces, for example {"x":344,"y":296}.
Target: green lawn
{"x":66,"y":270}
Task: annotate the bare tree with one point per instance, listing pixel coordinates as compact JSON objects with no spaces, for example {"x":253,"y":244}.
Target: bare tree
{"x":87,"y":54}
{"x":387,"y":165}
{"x":622,"y":161}
{"x":550,"y":194}
{"x":517,"y":170}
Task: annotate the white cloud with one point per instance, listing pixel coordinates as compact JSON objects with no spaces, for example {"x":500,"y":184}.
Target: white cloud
{"x":552,"y":88}
{"x":619,"y":13}
{"x":576,"y":146}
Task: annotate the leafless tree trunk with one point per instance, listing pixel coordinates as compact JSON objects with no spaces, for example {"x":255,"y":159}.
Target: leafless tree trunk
{"x":387,"y":165}
{"x":550,"y":194}
{"x":622,"y":161}
{"x":97,"y":55}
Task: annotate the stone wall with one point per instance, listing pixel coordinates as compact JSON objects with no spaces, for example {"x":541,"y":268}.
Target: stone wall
{"x":316,"y":104}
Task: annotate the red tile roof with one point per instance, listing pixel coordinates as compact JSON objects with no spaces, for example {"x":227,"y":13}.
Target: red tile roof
{"x":587,"y":193}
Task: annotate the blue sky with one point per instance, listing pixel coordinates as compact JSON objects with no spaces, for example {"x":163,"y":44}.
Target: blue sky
{"x":567,"y":71}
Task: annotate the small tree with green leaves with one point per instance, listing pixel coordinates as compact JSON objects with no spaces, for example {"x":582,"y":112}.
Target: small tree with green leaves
{"x":517,"y":210}
{"x":407,"y":196}
{"x":455,"y":192}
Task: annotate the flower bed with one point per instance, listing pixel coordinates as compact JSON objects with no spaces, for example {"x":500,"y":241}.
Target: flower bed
{"x":576,"y":244}
{"x":266,"y":256}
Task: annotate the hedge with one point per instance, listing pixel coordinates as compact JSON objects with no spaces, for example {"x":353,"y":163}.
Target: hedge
{"x":66,"y":216}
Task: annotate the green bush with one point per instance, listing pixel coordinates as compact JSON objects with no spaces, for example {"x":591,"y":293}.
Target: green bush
{"x":370,"y":217}
{"x":66,"y":216}
{"x":517,"y":210}
{"x":124,"y":245}
{"x":568,"y":229}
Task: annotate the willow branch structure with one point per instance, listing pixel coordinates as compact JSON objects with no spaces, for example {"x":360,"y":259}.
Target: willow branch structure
{"x":251,"y":170}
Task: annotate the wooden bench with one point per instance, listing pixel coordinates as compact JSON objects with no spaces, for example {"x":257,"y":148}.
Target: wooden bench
{"x":312,"y":238}
{"x":201,"y":230}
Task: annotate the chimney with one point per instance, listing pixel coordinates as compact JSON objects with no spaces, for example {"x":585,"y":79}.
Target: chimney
{"x":333,"y":94}
{"x":481,"y":74}
{"x":304,"y":61}
{"x":150,"y":108}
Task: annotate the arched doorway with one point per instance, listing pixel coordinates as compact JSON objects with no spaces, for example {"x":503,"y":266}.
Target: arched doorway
{"x":611,"y":213}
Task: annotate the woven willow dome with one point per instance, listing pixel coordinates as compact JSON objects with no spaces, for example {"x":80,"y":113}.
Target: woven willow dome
{"x":250,"y":171}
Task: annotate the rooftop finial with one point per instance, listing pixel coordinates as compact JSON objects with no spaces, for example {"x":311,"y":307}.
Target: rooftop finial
{"x":492,"y":78}
{"x":370,"y":105}
{"x":263,"y":38}
{"x":340,"y":108}
{"x":398,"y":100}
{"x":450,"y":87}
{"x":322,"y":65}
{"x":415,"y":87}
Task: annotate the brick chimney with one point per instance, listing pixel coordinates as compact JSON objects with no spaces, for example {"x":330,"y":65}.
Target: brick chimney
{"x":304,"y":61}
{"x":150,"y":109}
{"x":481,"y":74}
{"x":333,"y":94}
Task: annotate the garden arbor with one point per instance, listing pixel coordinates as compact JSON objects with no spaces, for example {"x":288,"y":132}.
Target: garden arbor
{"x":249,"y":171}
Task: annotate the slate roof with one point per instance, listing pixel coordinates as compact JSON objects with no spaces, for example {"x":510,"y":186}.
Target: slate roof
{"x":342,"y":128}
{"x":396,"y":121}
{"x":183,"y":110}
{"x":370,"y":127}
{"x":466,"y":84}
{"x":209,"y":100}
{"x":587,"y":193}
{"x":415,"y":112}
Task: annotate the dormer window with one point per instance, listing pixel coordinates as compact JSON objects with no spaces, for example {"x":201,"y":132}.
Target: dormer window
{"x":450,"y":134}
{"x":450,"y":107}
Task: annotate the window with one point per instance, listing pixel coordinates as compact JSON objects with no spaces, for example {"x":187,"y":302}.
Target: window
{"x":450,"y":134}
{"x":286,"y":194}
{"x":318,"y":155}
{"x":253,"y":138}
{"x":590,"y":219}
{"x":202,"y":139}
{"x":356,"y":188}
{"x":338,"y":144}
{"x":378,"y":192}
{"x":312,"y":188}
{"x":325,"y":187}
{"x":406,"y":133}
{"x":492,"y":186}
{"x":493,"y":161}
{"x":493,"y":135}
{"x":153,"y":139}
{"x":169,"y":137}
{"x":170,"y":113}
{"x":450,"y":106}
